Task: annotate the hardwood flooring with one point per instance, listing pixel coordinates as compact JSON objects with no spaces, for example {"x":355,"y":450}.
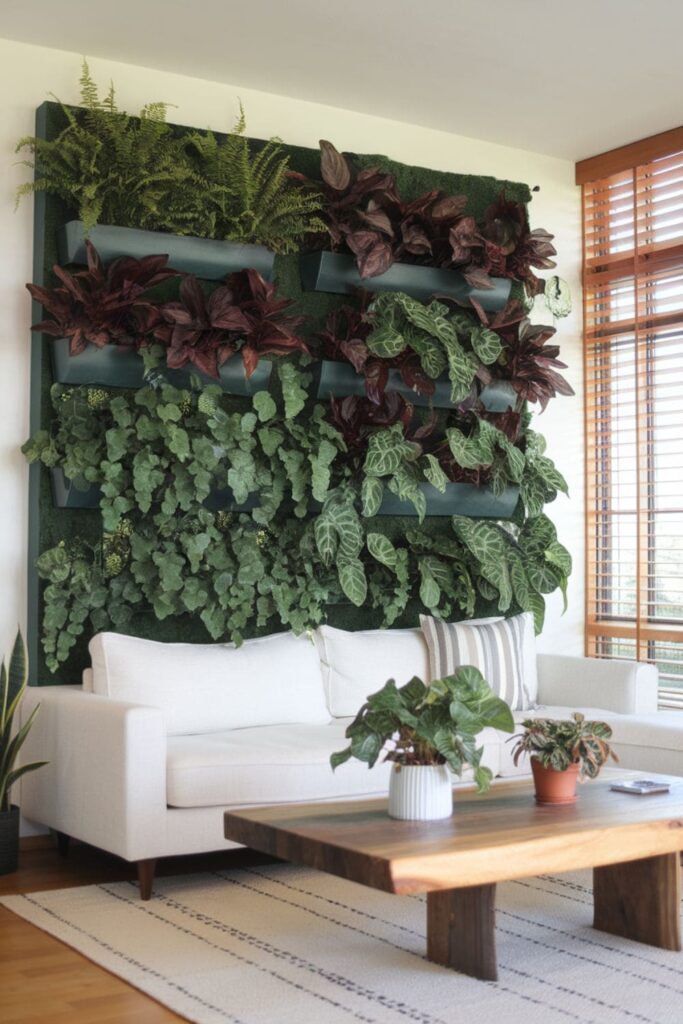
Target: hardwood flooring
{"x":43,"y":981}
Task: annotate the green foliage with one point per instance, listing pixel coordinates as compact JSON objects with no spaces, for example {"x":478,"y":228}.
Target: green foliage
{"x":159,"y":456}
{"x":13,"y":679}
{"x":428,"y":725}
{"x":136,"y":172}
{"x":441,"y":339}
{"x":247,"y":194}
{"x":559,"y":743}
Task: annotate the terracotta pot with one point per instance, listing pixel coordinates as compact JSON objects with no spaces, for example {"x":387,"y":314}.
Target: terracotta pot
{"x":553,"y":787}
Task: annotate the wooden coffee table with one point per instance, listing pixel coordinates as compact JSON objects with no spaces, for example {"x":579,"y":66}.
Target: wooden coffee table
{"x":631,"y":842}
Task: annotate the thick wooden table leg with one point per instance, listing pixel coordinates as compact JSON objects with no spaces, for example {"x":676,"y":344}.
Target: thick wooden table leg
{"x":461,"y":930}
{"x":640,"y":900}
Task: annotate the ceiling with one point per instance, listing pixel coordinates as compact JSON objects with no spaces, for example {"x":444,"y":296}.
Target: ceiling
{"x":568,"y":78}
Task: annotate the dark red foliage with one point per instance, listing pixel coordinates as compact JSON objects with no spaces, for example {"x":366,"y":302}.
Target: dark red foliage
{"x":200,"y":330}
{"x":356,"y":417}
{"x":243,"y":315}
{"x":527,"y":362}
{"x":516,"y":248}
{"x":366,"y":215}
{"x":345,"y":339}
{"x":102,"y":306}
{"x":530,"y":364}
{"x":269,"y":331}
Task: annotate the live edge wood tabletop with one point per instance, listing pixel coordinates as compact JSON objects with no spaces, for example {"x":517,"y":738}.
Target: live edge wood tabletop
{"x":633,"y":843}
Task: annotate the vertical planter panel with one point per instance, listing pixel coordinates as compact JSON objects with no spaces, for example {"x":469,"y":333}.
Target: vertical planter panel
{"x":66,"y":494}
{"x":340,"y":379}
{"x":456,"y":500}
{"x":337,"y":272}
{"x":116,"y":367}
{"x":208,"y":258}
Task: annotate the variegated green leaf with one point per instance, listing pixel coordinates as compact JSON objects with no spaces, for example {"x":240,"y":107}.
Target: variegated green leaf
{"x":353,"y":582}
{"x":434,"y":473}
{"x":381,"y":549}
{"x":372,"y":492}
{"x":486,"y":344}
{"x":430,"y":594}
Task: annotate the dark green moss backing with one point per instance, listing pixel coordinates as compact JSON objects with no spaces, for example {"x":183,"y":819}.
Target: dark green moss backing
{"x":48,"y":525}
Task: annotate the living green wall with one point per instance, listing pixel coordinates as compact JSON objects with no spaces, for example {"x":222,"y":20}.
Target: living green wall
{"x":49,"y":525}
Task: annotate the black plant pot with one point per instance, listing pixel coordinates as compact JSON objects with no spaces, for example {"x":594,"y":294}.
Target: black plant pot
{"x":340,"y":379}
{"x":337,"y":272}
{"x":208,"y":258}
{"x":114,"y":366}
{"x":9,"y":840}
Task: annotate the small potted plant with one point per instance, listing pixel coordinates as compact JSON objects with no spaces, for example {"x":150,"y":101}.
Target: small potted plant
{"x":12,"y":686}
{"x":563,"y":751}
{"x":428,"y":732}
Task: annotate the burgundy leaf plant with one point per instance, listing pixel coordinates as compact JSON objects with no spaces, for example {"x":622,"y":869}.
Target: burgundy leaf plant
{"x":101,"y":306}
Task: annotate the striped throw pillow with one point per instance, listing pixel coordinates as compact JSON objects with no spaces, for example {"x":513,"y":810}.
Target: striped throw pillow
{"x":496,"y":649}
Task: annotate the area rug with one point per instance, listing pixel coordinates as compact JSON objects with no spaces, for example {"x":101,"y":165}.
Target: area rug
{"x":284,"y":945}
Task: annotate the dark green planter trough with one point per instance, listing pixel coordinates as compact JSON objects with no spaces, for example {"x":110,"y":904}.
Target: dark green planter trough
{"x":208,"y":258}
{"x":340,"y":379}
{"x":337,"y":272}
{"x":118,"y":367}
{"x":68,"y":494}
{"x":457,"y":500}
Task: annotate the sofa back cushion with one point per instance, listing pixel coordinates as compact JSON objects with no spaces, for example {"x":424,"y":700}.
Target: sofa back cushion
{"x":356,"y":663}
{"x":504,"y":652}
{"x":201,"y":688}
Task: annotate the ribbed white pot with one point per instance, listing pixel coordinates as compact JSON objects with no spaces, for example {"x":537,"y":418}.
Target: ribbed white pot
{"x":420,"y":792}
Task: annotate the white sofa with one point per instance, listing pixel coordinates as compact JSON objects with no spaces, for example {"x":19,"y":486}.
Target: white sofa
{"x":160,"y":739}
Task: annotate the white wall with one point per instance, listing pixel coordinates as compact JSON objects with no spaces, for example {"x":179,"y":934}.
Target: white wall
{"x":28,"y":74}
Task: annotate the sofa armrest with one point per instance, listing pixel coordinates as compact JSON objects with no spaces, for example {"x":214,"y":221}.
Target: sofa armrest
{"x":627,"y":687}
{"x":105,"y":782}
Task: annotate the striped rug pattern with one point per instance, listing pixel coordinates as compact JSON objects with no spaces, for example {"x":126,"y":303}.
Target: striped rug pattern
{"x":285,"y":945}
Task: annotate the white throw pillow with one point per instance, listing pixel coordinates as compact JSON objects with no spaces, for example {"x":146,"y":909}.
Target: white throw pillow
{"x":504,"y":652}
{"x":202,"y":688}
{"x":357,"y":663}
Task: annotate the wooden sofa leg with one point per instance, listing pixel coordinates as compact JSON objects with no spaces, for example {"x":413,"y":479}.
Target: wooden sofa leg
{"x":146,"y":870}
{"x":63,"y":844}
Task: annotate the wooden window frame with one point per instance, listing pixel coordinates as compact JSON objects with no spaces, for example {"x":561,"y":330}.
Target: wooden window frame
{"x":642,"y":630}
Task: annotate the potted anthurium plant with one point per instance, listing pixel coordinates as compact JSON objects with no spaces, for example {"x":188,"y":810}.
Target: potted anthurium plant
{"x":12,"y":686}
{"x":428,"y":732}
{"x":563,"y":751}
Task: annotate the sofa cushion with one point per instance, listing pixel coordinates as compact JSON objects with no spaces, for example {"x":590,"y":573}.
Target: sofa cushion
{"x":355,"y":664}
{"x":276,"y":764}
{"x":201,"y":688}
{"x":503,"y":651}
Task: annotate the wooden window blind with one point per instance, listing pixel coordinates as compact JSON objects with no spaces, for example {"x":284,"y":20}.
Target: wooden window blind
{"x":633,"y":320}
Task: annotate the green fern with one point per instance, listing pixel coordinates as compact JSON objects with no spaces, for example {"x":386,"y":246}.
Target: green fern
{"x":136,"y":172}
{"x":250,"y":196}
{"x":112,"y":167}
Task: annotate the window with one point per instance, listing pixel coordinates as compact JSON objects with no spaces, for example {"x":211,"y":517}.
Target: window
{"x":633,"y":335}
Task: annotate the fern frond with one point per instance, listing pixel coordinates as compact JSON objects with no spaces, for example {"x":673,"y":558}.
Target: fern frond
{"x":89,"y":94}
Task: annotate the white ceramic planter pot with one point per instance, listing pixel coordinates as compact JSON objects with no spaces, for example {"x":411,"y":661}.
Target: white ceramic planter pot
{"x":421,"y":793}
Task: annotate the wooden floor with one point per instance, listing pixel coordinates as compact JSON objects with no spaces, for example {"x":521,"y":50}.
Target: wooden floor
{"x":42,"y":981}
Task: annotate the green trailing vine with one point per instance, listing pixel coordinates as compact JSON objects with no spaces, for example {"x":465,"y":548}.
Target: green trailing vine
{"x":138,"y":172}
{"x":164,"y":458}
